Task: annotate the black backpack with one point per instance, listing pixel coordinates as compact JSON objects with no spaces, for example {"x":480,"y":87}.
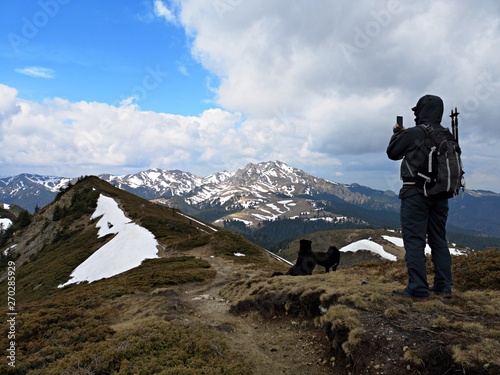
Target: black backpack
{"x":442,"y":174}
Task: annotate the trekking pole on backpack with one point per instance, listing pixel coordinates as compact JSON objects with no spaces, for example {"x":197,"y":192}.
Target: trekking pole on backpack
{"x":454,"y":131}
{"x":454,"y":123}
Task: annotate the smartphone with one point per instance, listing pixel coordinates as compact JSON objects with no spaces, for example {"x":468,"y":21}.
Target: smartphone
{"x":399,"y":121}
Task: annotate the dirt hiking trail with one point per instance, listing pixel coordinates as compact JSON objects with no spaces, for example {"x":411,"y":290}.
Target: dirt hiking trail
{"x":274,"y":345}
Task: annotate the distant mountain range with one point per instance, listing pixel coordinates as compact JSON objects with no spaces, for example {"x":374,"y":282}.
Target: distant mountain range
{"x":263,"y":193}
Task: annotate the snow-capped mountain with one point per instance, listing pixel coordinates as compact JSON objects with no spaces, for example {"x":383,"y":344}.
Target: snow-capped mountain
{"x":260,"y":192}
{"x":260,"y":180}
{"x":31,"y":190}
{"x":154,"y":183}
{"x":24,"y":181}
{"x":267,"y":191}
{"x":256,"y":191}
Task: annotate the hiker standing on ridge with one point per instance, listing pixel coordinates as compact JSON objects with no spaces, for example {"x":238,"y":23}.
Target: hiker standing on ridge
{"x":421,"y":216}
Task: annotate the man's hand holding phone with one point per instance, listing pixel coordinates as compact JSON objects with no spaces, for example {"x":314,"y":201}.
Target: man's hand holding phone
{"x":399,"y":124}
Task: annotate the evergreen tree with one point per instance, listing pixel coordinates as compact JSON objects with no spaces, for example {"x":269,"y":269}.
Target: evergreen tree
{"x":24,"y":219}
{"x":57,"y":214}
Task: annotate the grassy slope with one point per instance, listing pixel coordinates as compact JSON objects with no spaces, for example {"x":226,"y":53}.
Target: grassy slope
{"x":136,"y":322}
{"x":370,"y":331}
{"x":83,"y":328}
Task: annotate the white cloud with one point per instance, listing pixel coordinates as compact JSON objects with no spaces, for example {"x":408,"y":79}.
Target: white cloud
{"x":183,"y":70}
{"x":346,"y":71}
{"x":37,"y":72}
{"x":89,"y":137}
{"x":162,"y":11}
{"x":315,"y":84}
{"x":8,"y":106}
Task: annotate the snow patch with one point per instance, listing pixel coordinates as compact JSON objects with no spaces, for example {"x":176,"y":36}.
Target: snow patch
{"x":131,"y":245}
{"x":395,"y":240}
{"x":370,"y":246}
{"x":5,"y":223}
{"x":197,"y":221}
{"x":9,"y":250}
{"x":399,"y":242}
{"x":274,"y":207}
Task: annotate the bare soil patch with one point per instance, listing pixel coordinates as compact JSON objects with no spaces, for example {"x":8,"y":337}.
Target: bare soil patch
{"x":273,"y":345}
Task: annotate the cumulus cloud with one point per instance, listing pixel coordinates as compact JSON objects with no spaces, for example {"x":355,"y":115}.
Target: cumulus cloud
{"x":8,"y":105}
{"x":37,"y":72}
{"x":346,"y":71}
{"x":98,"y":137}
{"x":315,"y":84}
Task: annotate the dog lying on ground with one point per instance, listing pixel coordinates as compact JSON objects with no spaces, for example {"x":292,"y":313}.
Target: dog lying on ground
{"x":328,"y":259}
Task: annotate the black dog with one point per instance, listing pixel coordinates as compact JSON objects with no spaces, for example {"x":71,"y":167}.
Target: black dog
{"x":328,"y":259}
{"x":305,"y":262}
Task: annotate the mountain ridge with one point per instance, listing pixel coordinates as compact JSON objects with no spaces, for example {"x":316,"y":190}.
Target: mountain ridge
{"x":260,"y":193}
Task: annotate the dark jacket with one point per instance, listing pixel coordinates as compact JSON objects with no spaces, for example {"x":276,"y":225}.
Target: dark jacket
{"x":407,"y":144}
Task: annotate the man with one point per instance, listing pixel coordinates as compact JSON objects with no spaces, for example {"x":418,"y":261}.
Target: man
{"x":421,"y":216}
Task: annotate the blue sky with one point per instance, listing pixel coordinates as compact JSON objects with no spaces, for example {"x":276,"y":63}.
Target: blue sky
{"x":101,"y":51}
{"x":90,"y":87}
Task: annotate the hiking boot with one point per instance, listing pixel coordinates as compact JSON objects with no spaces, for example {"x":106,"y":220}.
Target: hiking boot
{"x":441,"y":293}
{"x":406,"y":294}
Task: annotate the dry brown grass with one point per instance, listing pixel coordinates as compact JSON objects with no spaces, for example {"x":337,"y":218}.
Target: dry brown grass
{"x":485,"y":352}
{"x":360,"y":317}
{"x":128,"y":324}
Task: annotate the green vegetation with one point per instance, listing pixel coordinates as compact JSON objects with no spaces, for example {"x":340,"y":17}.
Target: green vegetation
{"x":81,"y":330}
{"x":226,"y":244}
{"x":277,"y":234}
{"x":22,"y":220}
